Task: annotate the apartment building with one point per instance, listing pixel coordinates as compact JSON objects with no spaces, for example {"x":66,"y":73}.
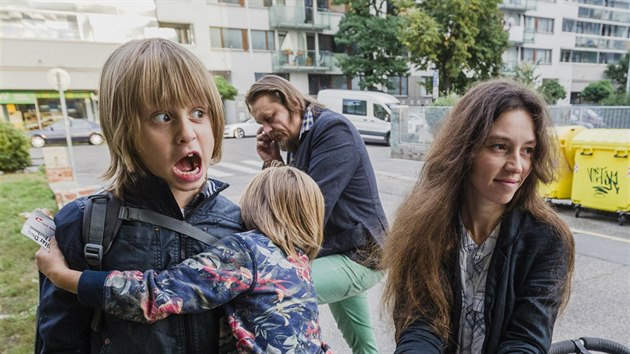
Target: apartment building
{"x":571,"y":41}
{"x":242,"y":40}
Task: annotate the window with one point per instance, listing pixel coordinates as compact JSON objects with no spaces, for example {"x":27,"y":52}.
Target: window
{"x":536,"y":55}
{"x":318,"y":82}
{"x":263,"y":40}
{"x":380,"y":112}
{"x":355,"y":107}
{"x":614,"y":31}
{"x":581,"y":27}
{"x":177,"y":32}
{"x":228,"y":38}
{"x":400,"y":86}
{"x":539,"y":24}
{"x":576,"y":56}
{"x":234,"y":2}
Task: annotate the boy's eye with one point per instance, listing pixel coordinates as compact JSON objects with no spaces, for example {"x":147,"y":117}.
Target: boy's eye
{"x":161,"y":118}
{"x":198,"y":114}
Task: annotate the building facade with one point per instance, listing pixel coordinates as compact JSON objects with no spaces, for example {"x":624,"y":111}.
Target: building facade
{"x":571,"y":41}
{"x":242,"y":40}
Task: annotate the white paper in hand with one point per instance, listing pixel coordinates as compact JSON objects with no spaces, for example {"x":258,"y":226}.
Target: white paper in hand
{"x":39,"y":227}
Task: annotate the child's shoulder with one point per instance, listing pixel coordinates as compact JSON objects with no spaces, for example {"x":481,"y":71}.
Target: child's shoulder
{"x":71,"y":212}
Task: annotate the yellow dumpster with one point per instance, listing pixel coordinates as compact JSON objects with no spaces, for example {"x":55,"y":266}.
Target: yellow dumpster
{"x":601,"y":174}
{"x":561,"y":187}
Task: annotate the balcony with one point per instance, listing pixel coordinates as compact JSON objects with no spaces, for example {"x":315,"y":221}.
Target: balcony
{"x":302,"y":61}
{"x":520,"y":5}
{"x":298,"y":17}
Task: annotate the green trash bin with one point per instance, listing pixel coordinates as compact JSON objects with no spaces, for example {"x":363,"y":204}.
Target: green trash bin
{"x":601,"y":174}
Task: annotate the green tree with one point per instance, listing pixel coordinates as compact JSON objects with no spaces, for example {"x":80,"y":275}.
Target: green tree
{"x":618,"y":72}
{"x":226,"y":90}
{"x":552,"y":91}
{"x":374,"y":51}
{"x":463,"y":39}
{"x":597,"y":91}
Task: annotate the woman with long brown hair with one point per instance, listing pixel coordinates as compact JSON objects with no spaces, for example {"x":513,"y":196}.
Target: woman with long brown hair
{"x":477,"y":261}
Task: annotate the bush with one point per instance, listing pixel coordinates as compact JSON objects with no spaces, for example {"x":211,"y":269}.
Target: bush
{"x":616,"y":100}
{"x":597,"y":91}
{"x":14,"y":153}
{"x":448,"y":100}
{"x":552,"y":91}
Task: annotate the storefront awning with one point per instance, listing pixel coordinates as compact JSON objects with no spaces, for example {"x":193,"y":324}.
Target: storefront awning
{"x":17,"y":98}
{"x":67,"y":94}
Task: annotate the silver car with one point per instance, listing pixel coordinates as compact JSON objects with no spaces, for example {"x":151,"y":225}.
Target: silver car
{"x":81,"y":130}
{"x":242,"y":129}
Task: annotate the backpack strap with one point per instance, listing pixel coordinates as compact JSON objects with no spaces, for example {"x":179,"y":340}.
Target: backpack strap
{"x":179,"y":226}
{"x":100,"y":226}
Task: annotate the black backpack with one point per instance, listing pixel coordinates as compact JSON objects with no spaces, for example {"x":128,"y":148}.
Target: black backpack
{"x":102,"y":217}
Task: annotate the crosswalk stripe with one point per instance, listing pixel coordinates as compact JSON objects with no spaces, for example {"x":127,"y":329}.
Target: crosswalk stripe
{"x":395,"y":175}
{"x":236,"y":167}
{"x":213,"y":172}
{"x":253,"y":163}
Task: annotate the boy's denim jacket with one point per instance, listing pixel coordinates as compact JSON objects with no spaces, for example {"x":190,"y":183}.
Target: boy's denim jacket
{"x":64,"y":324}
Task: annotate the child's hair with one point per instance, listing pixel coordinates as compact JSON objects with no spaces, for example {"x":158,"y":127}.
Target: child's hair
{"x":157,"y":74}
{"x":287,"y":206}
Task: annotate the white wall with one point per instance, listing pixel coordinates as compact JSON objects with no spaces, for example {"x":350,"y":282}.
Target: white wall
{"x":25,"y":62}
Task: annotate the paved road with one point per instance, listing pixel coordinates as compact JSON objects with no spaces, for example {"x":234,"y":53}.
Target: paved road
{"x":600,"y":301}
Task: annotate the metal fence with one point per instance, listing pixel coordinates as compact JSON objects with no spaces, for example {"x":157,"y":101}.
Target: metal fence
{"x":413,"y":127}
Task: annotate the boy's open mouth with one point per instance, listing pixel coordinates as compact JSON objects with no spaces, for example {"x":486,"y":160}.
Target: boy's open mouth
{"x":189,"y":164}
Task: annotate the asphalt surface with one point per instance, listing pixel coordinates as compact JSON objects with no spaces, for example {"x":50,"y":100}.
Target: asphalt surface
{"x":600,"y":298}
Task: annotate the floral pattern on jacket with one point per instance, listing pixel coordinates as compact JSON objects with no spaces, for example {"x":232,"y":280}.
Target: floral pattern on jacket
{"x":268,"y":297}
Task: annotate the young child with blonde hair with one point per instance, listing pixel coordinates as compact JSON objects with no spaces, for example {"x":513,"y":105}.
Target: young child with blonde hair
{"x":262,"y":277}
{"x":163,"y":120}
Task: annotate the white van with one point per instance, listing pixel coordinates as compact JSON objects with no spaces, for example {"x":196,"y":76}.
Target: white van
{"x":369,"y":111}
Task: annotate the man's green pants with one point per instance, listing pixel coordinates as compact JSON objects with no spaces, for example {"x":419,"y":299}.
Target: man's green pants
{"x":342,"y":284}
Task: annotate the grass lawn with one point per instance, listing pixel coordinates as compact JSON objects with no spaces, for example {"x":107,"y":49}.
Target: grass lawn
{"x":18,"y":274}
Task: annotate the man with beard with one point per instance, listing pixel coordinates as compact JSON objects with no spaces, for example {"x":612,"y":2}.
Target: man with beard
{"x":326,"y":145}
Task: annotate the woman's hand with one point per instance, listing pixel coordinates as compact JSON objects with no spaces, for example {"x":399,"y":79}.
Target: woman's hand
{"x":53,"y":265}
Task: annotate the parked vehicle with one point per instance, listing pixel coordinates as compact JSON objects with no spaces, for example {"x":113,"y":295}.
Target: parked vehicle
{"x":81,"y":131}
{"x":241,"y":129}
{"x":369,"y":111}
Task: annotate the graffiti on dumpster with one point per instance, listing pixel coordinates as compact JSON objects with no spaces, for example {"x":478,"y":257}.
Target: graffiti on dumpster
{"x":603,"y":180}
